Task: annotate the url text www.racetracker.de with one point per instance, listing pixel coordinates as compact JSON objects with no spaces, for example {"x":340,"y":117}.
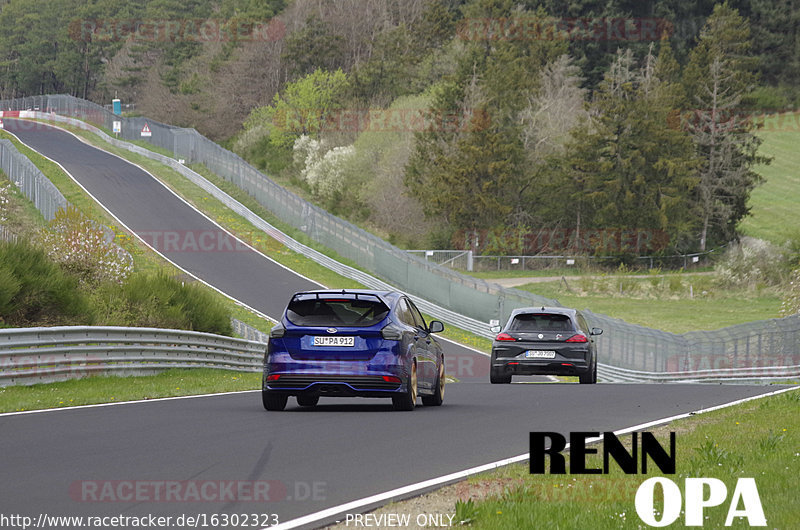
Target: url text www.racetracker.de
{"x":198,"y":520}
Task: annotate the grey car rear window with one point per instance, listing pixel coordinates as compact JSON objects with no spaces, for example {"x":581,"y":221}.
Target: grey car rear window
{"x":336,"y":311}
{"x":541,"y":322}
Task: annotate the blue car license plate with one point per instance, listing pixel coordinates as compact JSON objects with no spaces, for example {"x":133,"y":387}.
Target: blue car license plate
{"x":334,"y":341}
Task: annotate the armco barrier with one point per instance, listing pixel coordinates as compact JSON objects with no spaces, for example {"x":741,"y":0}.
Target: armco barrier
{"x":248,"y":332}
{"x":627,"y":349}
{"x":44,"y":355}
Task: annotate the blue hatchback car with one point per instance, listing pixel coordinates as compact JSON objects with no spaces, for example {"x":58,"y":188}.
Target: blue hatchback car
{"x":353,"y":342}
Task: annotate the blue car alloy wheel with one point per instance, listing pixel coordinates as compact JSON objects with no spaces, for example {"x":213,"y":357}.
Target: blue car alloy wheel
{"x":353,"y":343}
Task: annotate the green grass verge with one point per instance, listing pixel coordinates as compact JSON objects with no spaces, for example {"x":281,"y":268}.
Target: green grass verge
{"x":169,"y":383}
{"x":111,"y":389}
{"x":758,"y":439}
{"x":224,"y":216}
{"x":665,"y":303}
{"x":774,"y":203}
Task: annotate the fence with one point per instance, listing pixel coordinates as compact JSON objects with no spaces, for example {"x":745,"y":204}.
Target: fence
{"x":447,"y":315}
{"x":44,"y":195}
{"x":629,"y":352}
{"x":44,"y":355}
{"x":454,"y":259}
{"x":30,"y":180}
{"x":466,"y":260}
{"x":753,"y":351}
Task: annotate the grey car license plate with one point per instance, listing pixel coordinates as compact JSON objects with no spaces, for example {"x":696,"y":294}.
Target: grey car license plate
{"x":540,"y":354}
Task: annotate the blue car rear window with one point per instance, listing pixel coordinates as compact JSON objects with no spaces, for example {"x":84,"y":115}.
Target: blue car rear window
{"x":309,"y":310}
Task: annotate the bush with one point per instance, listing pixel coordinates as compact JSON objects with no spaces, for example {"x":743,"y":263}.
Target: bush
{"x":78,"y":244}
{"x":791,"y":298}
{"x":160,"y":301}
{"x":752,"y":262}
{"x":34,"y":291}
{"x":5,"y":200}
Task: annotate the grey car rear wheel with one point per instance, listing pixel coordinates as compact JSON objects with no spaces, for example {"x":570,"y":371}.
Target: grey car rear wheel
{"x":498,"y":376}
{"x":589,"y":378}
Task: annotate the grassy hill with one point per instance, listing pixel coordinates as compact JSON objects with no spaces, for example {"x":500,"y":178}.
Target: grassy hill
{"x":776,"y":201}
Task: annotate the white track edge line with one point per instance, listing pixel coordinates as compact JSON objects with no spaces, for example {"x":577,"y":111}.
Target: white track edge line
{"x":103,"y":206}
{"x":115,"y":403}
{"x":214,"y":222}
{"x":453,"y":477}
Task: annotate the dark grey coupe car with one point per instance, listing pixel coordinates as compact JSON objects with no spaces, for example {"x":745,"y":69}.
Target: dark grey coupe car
{"x":544,"y":340}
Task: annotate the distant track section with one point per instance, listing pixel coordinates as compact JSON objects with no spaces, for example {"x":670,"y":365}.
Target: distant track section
{"x":167,"y":223}
{"x":186,"y":237}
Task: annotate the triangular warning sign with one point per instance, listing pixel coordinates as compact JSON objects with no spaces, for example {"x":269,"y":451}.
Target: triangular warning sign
{"x":146,"y":130}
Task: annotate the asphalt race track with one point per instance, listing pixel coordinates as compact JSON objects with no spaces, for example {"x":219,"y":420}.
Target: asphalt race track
{"x":216,"y":452}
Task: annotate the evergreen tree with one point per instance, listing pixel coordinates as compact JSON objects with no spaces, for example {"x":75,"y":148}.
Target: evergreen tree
{"x":471,"y":184}
{"x":626,"y":169}
{"x":720,"y":73}
{"x":489,"y":89}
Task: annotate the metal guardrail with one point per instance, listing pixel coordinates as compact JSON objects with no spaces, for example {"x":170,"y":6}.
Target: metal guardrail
{"x":611,"y":374}
{"x":45,"y":355}
{"x":463,"y":294}
{"x":630,"y":349}
{"x":248,"y":332}
{"x":763,"y":350}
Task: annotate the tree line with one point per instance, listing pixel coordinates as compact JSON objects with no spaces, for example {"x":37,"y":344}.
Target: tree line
{"x":658,"y":144}
{"x":424,"y":121}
